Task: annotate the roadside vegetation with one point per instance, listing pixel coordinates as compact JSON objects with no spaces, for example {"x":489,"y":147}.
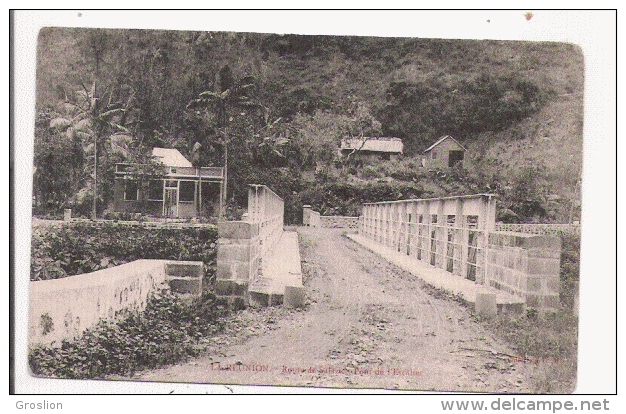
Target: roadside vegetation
{"x":549,"y":340}
{"x":74,"y":248}
{"x":170,"y":330}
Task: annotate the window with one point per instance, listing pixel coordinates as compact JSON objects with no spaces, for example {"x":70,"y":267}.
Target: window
{"x":187,"y":191}
{"x":155,"y":190}
{"x":130,"y":191}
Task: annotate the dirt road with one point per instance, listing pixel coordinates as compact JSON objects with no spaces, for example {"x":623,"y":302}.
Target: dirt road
{"x":368,"y":325}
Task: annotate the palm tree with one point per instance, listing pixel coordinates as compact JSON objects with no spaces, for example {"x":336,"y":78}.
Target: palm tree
{"x":230,"y":95}
{"x":98,"y":124}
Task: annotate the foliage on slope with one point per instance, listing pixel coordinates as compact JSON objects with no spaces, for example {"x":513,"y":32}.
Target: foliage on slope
{"x":76,"y":248}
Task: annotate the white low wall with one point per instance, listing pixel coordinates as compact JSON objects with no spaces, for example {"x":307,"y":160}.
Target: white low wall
{"x":64,"y":308}
{"x":343,"y":222}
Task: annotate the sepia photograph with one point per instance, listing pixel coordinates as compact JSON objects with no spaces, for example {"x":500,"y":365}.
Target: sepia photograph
{"x":334,"y":212}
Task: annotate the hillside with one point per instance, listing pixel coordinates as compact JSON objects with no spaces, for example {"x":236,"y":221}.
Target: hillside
{"x":516,"y":106}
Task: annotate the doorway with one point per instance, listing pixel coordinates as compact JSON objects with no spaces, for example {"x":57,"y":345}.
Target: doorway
{"x":170,"y":202}
{"x":455,"y":157}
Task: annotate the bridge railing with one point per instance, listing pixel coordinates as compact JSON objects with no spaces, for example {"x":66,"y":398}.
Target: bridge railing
{"x":450,"y":233}
{"x":267,"y":209}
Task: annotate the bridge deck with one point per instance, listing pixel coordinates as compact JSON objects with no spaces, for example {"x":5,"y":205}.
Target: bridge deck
{"x":439,"y":278}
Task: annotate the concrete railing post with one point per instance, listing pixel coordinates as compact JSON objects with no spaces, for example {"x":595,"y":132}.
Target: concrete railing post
{"x":457,"y":238}
{"x":441,"y":236}
{"x":427,"y":233}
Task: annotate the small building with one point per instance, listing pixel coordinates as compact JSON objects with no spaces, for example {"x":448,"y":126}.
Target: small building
{"x":183,"y":191}
{"x":369,"y":148}
{"x":445,"y":153}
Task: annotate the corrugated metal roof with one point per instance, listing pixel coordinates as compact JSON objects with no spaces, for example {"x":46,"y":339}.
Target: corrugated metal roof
{"x":171,"y":157}
{"x":374,"y":144}
{"x":440,"y":140}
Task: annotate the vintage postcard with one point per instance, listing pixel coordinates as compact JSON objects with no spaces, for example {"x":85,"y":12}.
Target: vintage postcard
{"x":321,"y":211}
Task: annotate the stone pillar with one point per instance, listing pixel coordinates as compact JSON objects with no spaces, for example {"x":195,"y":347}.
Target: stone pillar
{"x":294,"y":297}
{"x":306,"y":215}
{"x":238,"y":259}
{"x":486,"y":305}
{"x":526,"y":265}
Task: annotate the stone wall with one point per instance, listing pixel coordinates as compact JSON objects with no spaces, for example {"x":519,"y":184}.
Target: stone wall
{"x":63,"y":308}
{"x":238,"y":259}
{"x":525,"y":265}
{"x":343,"y":222}
{"x":310,"y":217}
{"x":314,"y":219}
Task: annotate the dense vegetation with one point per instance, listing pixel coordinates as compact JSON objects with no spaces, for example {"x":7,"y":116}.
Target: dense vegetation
{"x":168,"y":331}
{"x":276,"y":106}
{"x":82,"y":247}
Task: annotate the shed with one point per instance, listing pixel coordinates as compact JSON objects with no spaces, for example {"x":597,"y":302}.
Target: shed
{"x":445,"y":153}
{"x":385,"y":148}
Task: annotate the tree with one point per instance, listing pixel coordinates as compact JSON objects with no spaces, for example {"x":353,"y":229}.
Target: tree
{"x":362,"y":125}
{"x":316,"y":138}
{"x":217,"y":107}
{"x":58,"y":162}
{"x":97,"y":124}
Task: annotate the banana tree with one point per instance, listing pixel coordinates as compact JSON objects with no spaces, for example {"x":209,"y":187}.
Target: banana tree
{"x":98,"y":123}
{"x":230,"y":95}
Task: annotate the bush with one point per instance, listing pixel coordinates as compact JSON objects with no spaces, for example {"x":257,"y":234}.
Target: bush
{"x":168,"y":331}
{"x":549,"y":337}
{"x":570,"y":268}
{"x":346,"y":199}
{"x":76,"y":248}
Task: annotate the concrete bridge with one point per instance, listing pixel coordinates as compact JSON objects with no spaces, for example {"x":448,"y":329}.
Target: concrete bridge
{"x":450,"y":243}
{"x":372,"y":318}
{"x":258,"y":263}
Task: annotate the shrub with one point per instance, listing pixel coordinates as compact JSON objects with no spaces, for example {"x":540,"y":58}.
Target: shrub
{"x":346,"y":199}
{"x":168,"y":331}
{"x":549,"y":337}
{"x":570,"y":268}
{"x":75,"y":248}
